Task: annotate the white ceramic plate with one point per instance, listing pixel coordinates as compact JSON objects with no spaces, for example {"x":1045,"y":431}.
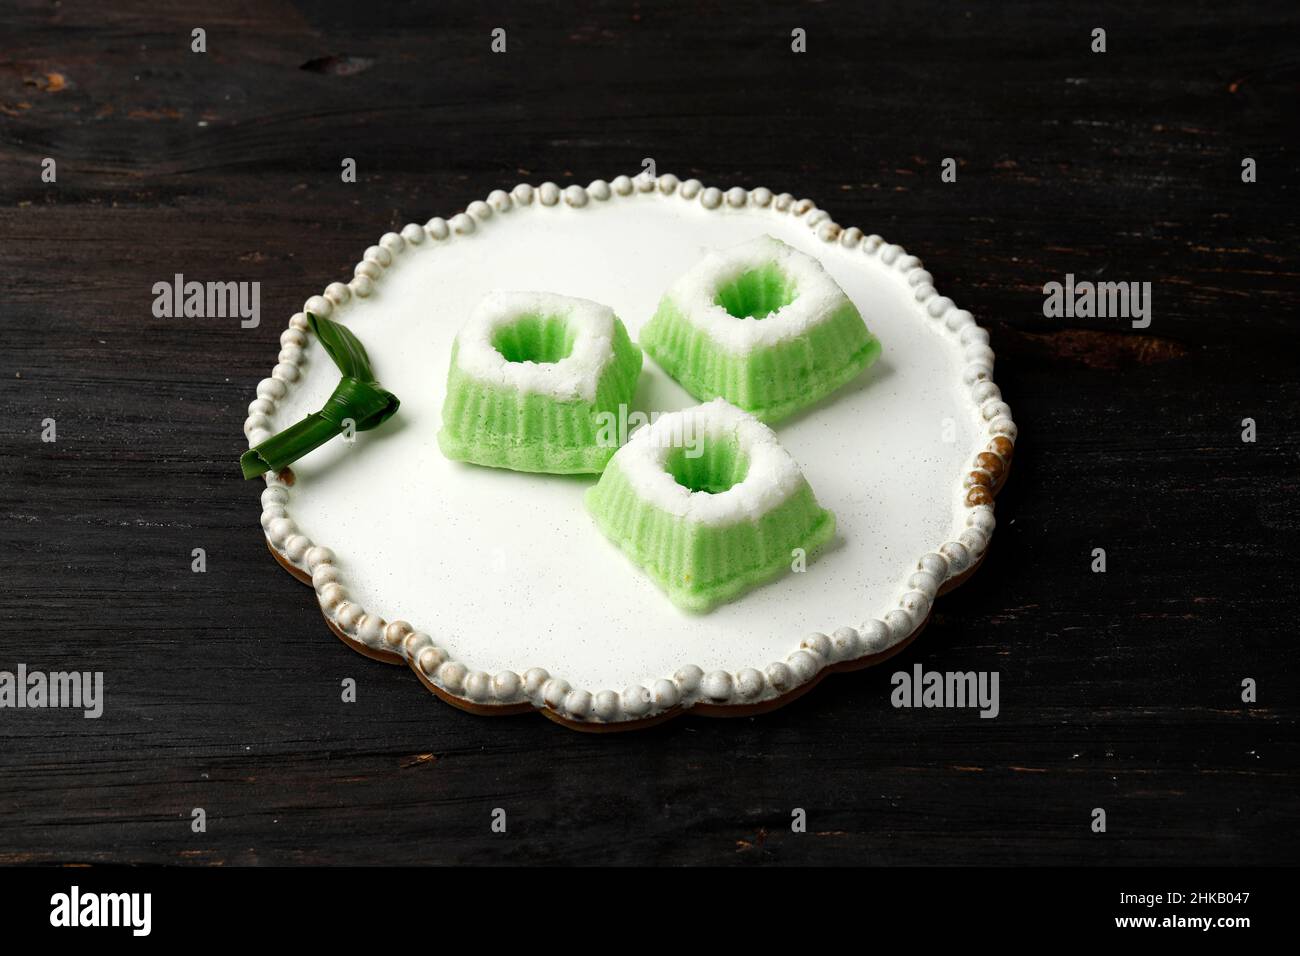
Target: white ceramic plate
{"x":514,"y":598}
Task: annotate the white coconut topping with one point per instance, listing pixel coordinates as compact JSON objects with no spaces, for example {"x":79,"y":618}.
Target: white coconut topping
{"x":572,"y":377}
{"x":817,"y":296}
{"x":771,"y":478}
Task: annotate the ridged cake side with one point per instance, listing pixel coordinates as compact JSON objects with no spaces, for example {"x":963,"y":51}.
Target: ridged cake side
{"x":773,"y":382}
{"x":504,"y":428}
{"x":698,"y":565}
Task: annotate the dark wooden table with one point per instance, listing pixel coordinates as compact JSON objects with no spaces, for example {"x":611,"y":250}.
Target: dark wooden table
{"x":1120,"y":690}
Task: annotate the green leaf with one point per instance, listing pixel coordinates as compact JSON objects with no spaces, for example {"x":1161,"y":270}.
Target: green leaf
{"x":358,"y":398}
{"x":288,"y":446}
{"x":343,"y":347}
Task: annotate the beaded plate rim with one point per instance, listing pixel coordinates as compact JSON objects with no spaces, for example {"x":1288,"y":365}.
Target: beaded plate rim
{"x":689,"y":690}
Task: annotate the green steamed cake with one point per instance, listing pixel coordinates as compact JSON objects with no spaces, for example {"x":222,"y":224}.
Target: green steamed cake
{"x":761,"y":325}
{"x":709,"y":505}
{"x":535,"y":379}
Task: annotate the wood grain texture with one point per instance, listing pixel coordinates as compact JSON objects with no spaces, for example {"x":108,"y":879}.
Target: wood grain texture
{"x":1118,"y":690}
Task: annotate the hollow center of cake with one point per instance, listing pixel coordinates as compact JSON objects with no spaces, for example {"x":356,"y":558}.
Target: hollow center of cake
{"x":756,"y":293}
{"x":541,"y":339}
{"x":711,"y":465}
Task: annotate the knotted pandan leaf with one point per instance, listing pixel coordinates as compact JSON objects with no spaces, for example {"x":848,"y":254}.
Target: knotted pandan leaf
{"x":359,"y":399}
